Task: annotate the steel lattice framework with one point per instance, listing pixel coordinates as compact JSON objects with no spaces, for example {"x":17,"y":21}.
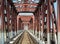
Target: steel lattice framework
{"x":28,"y":5}
{"x":44,"y":22}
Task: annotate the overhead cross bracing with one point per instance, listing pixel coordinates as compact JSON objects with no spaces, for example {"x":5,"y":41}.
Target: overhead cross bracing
{"x":28,"y":5}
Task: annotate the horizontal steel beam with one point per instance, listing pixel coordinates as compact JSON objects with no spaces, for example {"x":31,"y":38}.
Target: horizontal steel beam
{"x":25,"y":4}
{"x":26,"y":12}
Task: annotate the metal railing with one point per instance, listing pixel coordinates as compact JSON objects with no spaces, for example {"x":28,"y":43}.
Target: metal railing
{"x":17,"y":39}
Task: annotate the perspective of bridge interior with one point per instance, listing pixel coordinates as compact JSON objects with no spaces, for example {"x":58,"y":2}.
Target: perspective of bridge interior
{"x":29,"y":21}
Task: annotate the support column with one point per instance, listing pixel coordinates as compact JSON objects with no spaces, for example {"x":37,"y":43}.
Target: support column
{"x":39,"y":29}
{"x":7,"y":30}
{"x":42,"y":17}
{"x":36,"y":26}
{"x":14,"y":24}
{"x":2,"y":22}
{"x":39,"y":23}
{"x":48,"y":21}
{"x":33,"y":24}
{"x":58,"y":18}
{"x":17,"y":24}
{"x":2,"y":29}
{"x":38,"y":18}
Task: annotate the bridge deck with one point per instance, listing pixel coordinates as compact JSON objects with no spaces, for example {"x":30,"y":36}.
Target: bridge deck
{"x":26,"y":39}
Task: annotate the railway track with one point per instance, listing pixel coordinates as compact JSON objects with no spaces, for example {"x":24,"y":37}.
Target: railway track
{"x":26,"y":39}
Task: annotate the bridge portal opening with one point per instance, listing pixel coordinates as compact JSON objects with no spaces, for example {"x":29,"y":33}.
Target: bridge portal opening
{"x":25,"y":26}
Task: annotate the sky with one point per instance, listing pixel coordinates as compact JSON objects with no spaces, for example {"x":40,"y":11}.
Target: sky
{"x":55,"y":6}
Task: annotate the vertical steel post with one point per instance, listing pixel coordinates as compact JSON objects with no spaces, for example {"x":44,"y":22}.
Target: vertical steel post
{"x":48,"y":21}
{"x":58,"y":20}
